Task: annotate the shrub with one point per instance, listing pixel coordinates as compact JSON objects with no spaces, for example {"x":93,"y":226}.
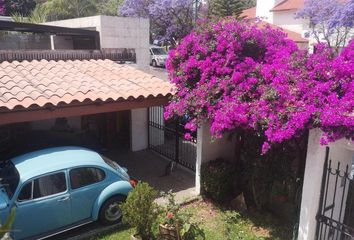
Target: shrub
{"x":140,"y":211}
{"x":217,"y":180}
{"x":8,"y":223}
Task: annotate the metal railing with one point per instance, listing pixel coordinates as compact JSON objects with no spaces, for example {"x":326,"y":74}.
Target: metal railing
{"x":120,"y":55}
{"x":335,"y":218}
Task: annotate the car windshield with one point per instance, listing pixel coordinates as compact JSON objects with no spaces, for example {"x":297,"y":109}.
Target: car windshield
{"x":159,"y":51}
{"x":9,"y":178}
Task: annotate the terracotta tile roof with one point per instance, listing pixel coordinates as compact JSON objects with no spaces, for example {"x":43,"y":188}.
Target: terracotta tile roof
{"x":296,"y":37}
{"x":24,"y":84}
{"x":288,"y":5}
{"x":250,"y":14}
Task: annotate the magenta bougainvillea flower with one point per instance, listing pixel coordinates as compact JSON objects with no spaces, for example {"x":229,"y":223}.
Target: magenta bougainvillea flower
{"x":236,"y":75}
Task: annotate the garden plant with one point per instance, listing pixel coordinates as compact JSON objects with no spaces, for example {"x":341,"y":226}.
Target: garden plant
{"x":140,"y":211}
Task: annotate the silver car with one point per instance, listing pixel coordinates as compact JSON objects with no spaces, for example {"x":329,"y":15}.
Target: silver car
{"x":158,"y":56}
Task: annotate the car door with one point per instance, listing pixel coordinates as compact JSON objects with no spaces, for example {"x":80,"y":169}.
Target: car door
{"x":86,"y":184}
{"x":43,"y":205}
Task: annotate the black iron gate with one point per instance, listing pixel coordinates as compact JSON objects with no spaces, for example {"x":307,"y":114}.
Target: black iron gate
{"x":335,"y":218}
{"x":167,"y":138}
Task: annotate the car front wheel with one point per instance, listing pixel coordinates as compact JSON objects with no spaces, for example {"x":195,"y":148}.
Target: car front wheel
{"x":110,"y":212}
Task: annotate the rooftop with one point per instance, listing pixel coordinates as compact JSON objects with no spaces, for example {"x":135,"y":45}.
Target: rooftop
{"x":42,"y":83}
{"x":251,"y":15}
{"x":287,"y":5}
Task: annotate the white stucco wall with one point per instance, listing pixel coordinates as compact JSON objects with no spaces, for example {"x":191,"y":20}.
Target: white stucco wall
{"x":342,"y":151}
{"x":117,"y":32}
{"x":288,"y":20}
{"x":263,"y":9}
{"x":139,"y":129}
{"x":209,"y":149}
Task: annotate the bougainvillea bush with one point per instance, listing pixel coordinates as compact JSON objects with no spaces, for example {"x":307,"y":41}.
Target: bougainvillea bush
{"x":236,"y":75}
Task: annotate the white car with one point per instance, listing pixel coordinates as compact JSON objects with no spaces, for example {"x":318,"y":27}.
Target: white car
{"x":158,"y":56}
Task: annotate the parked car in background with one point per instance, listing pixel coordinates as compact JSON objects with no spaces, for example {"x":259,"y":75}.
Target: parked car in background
{"x":158,"y":56}
{"x":57,"y":189}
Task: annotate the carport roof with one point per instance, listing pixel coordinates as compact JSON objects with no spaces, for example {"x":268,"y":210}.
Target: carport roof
{"x":40,"y":83}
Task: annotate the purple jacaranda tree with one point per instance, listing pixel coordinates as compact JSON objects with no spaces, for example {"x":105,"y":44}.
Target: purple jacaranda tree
{"x":330,"y":21}
{"x":170,"y":20}
{"x":2,"y":7}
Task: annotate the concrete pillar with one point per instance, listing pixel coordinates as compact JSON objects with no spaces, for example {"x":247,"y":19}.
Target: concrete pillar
{"x":208,"y":150}
{"x":312,"y":186}
{"x":340,"y":151}
{"x":52,"y":47}
{"x":139,"y":129}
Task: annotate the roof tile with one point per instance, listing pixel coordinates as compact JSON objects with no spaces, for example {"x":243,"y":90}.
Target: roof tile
{"x":287,"y":5}
{"x":25,"y":84}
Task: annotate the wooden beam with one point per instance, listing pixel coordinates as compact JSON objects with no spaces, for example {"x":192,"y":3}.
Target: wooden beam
{"x":72,"y":110}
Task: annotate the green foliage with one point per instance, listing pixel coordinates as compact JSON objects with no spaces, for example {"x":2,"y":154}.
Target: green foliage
{"x":109,"y":7}
{"x":226,"y":8}
{"x":38,"y":15}
{"x":23,"y":7}
{"x":65,"y":9}
{"x":140,"y":211}
{"x":8,"y":223}
{"x":217,"y":180}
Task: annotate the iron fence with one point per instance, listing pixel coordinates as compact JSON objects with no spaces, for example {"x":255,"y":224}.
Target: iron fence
{"x":335,"y":218}
{"x":167,"y":139}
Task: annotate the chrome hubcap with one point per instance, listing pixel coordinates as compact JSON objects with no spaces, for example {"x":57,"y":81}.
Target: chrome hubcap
{"x":113,"y":212}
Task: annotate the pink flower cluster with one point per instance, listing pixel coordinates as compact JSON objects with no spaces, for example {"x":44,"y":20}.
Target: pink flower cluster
{"x":237,"y":75}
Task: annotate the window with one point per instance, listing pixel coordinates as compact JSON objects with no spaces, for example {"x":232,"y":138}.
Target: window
{"x":26,"y":192}
{"x":81,"y":177}
{"x":49,"y":185}
{"x":159,"y":51}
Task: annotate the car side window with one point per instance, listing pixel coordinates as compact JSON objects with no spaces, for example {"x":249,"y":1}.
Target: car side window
{"x":26,"y":192}
{"x":49,"y":185}
{"x":80,"y":177}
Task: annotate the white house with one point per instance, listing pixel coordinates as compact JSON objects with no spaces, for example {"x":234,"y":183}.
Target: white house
{"x":281,"y":14}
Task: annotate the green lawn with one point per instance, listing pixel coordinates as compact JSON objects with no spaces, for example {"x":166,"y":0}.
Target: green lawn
{"x":214,"y":221}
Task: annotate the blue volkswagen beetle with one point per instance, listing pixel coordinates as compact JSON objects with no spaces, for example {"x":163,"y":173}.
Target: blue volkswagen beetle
{"x":60,"y":188}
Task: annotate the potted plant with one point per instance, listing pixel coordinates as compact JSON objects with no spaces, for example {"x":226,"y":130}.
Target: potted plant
{"x":175,"y":223}
{"x":140,"y":211}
